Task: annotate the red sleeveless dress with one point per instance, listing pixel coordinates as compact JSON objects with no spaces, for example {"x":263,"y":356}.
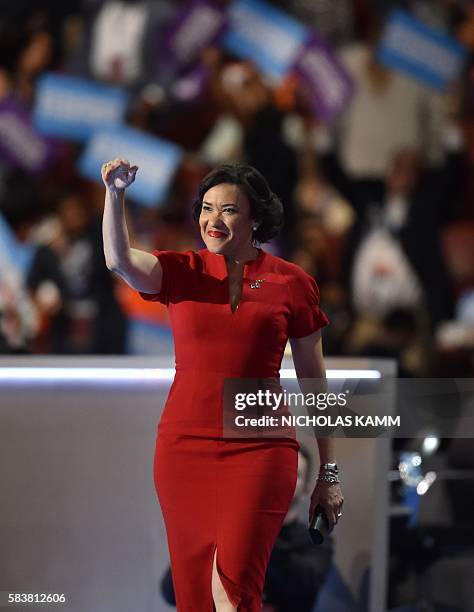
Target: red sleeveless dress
{"x":219,"y":493}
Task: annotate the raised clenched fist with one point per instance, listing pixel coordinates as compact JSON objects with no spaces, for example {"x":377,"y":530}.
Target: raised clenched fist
{"x":118,"y":174}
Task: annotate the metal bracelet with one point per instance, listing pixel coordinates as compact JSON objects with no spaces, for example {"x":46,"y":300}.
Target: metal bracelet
{"x":327,"y":471}
{"x":328,"y":477}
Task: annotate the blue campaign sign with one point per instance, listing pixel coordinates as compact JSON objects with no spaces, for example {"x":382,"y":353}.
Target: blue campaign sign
{"x":268,"y":36}
{"x":15,"y":256}
{"x":420,"y":51}
{"x":74,"y":108}
{"x":157,"y":161}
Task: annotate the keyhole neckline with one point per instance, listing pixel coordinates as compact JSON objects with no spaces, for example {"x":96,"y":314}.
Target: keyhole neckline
{"x":247,"y":264}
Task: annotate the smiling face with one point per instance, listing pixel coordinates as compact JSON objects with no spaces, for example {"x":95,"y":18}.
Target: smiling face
{"x":225,"y":221}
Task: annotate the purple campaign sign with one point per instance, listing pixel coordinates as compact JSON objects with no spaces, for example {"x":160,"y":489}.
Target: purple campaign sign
{"x":20,"y":144}
{"x":329,"y":85}
{"x":198,"y":24}
{"x":192,"y":85}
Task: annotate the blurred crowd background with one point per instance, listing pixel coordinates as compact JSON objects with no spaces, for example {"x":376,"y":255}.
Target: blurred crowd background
{"x":379,"y":203}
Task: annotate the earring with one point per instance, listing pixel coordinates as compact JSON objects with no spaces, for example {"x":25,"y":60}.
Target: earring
{"x":255,"y":227}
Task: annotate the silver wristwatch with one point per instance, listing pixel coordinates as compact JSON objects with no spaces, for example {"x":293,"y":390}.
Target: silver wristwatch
{"x":329,"y":467}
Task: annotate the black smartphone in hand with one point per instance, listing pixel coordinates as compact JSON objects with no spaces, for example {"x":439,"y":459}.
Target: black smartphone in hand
{"x":319,"y":526}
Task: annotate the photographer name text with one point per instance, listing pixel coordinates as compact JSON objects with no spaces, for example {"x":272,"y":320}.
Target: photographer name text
{"x":321,"y":420}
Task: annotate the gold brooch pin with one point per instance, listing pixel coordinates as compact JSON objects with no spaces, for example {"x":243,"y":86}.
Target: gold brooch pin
{"x":256,"y":284}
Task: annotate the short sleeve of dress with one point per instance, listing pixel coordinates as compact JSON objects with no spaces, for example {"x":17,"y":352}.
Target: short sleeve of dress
{"x":176,"y":267}
{"x":306,"y":315}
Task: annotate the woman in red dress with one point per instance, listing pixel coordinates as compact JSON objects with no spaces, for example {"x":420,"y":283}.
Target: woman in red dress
{"x":232,"y":308}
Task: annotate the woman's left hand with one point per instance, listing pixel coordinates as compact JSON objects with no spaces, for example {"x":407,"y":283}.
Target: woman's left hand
{"x":330,"y":497}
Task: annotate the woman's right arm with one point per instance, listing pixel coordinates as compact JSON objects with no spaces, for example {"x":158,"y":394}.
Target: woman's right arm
{"x":141,"y":270}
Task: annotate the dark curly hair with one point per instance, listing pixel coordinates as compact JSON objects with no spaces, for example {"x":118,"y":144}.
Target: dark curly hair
{"x":265,"y":206}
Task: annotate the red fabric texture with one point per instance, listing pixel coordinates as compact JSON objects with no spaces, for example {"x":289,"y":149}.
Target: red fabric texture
{"x":215,"y":492}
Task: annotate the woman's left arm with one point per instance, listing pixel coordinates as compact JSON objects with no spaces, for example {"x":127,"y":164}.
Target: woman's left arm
{"x":309,"y":363}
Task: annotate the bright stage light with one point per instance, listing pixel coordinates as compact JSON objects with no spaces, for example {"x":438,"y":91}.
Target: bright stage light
{"x":127,"y":375}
